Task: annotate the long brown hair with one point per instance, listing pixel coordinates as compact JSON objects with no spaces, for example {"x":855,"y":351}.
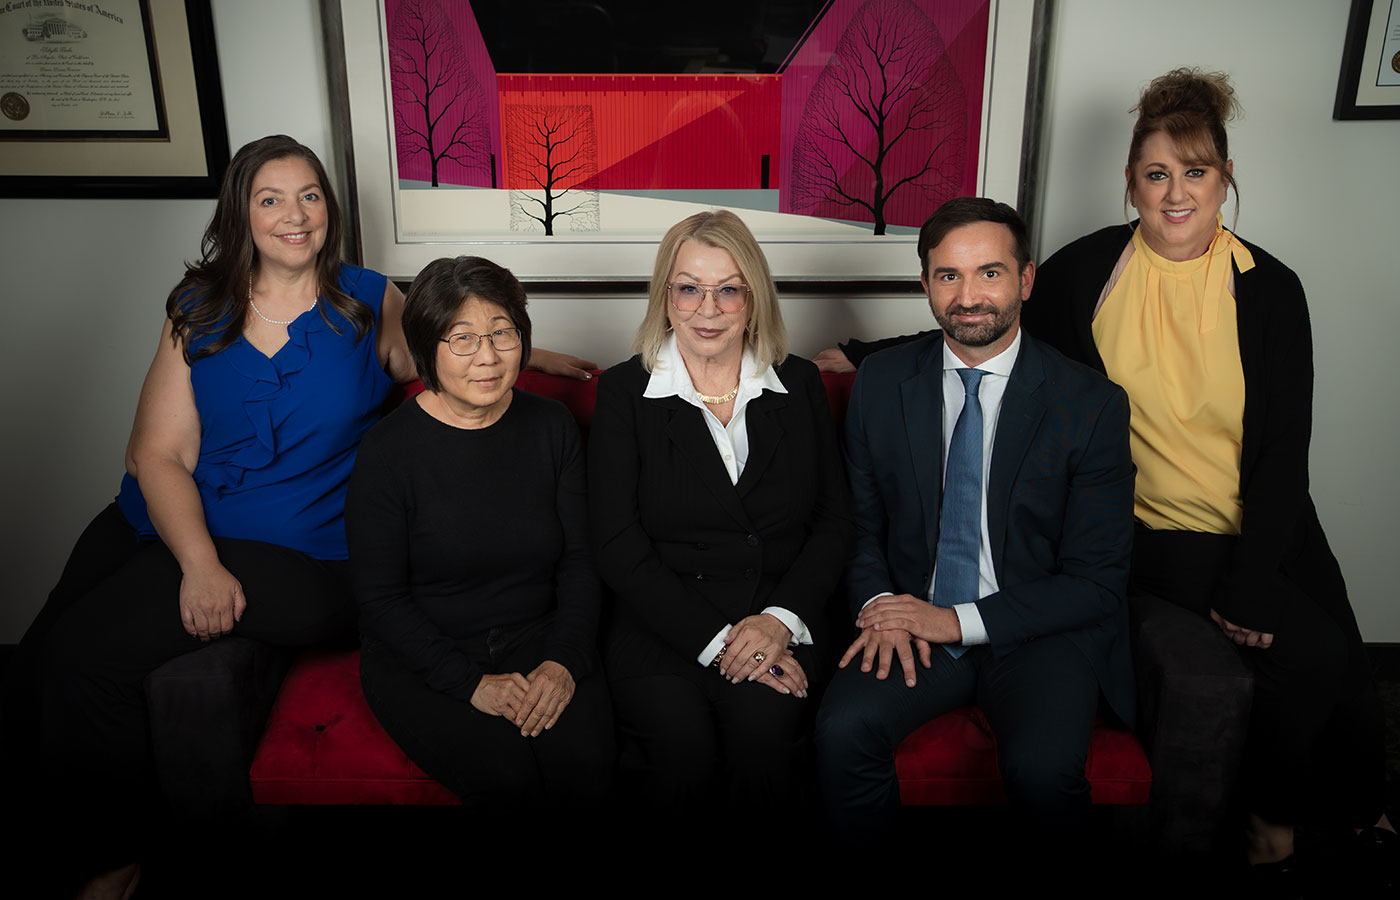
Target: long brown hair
{"x":212,"y":298}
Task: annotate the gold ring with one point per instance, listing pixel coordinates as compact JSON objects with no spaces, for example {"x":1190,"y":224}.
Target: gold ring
{"x":758,"y":656}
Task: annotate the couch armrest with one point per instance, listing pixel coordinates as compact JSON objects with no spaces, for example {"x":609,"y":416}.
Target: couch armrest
{"x":1194,"y":696}
{"x":207,"y":711}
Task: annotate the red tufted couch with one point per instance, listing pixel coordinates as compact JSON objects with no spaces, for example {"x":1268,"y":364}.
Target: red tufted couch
{"x":322,"y":745}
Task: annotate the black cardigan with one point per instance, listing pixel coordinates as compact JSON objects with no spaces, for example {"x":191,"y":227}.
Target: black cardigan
{"x":1281,"y":536}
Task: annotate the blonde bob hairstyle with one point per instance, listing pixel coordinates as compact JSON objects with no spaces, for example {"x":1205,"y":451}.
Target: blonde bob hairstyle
{"x":765,"y":333}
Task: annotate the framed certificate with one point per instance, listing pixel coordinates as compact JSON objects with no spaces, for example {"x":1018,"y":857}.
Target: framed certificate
{"x":1369,"y":85}
{"x":117,"y":99}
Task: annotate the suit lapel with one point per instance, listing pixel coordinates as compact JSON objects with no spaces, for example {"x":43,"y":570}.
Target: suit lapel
{"x":1021,"y":412}
{"x":763,"y":418}
{"x":687,"y":430}
{"x":922,"y":398}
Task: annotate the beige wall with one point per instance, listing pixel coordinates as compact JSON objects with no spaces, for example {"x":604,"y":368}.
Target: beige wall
{"x":87,"y":279}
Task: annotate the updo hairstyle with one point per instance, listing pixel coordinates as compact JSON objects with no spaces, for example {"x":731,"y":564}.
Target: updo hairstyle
{"x":1192,"y":107}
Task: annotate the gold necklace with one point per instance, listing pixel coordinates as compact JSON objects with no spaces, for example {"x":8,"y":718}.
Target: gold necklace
{"x":719,"y":400}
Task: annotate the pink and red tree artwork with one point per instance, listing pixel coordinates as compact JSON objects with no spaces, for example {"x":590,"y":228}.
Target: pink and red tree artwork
{"x":884,"y":129}
{"x":553,"y":167}
{"x":872,"y":119}
{"x":440,"y":108}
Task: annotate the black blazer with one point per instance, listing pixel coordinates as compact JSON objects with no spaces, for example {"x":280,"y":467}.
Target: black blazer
{"x":1059,"y":499}
{"x":684,"y":551}
{"x":1282,"y":539}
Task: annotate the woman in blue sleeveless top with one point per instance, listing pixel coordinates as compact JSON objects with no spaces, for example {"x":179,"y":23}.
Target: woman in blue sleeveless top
{"x":275,"y":359}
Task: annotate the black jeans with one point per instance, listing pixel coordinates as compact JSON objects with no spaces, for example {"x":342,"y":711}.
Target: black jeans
{"x":78,"y":680}
{"x":1316,"y":740}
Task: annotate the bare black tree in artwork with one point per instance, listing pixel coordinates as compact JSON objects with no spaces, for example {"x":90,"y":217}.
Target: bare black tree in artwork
{"x":886,"y":112}
{"x":439,"y":107}
{"x":553,"y":167}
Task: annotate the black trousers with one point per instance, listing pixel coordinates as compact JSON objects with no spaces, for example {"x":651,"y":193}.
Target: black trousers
{"x":1040,"y":700}
{"x":78,"y":682}
{"x":1316,"y":735}
{"x":483,"y":758}
{"x":695,"y":745}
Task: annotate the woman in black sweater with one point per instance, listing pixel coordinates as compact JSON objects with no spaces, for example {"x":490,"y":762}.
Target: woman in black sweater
{"x":467,"y":522}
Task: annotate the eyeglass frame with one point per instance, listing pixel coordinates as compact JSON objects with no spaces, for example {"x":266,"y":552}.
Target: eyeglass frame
{"x":708,"y":290}
{"x":490,"y":338}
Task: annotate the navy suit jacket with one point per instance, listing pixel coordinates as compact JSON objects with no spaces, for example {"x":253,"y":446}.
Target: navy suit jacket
{"x":1059,"y":499}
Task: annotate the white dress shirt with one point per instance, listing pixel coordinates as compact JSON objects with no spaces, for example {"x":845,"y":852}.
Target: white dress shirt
{"x":989,"y":393}
{"x":669,"y":378}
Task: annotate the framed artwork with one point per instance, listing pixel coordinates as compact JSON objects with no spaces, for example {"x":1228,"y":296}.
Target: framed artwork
{"x":1369,"y":85}
{"x":565,"y":149}
{"x":117,"y":99}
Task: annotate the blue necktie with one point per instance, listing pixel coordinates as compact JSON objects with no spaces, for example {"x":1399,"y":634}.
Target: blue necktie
{"x":960,"y":523}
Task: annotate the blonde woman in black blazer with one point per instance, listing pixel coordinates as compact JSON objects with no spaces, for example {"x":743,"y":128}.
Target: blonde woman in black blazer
{"x":722,"y":523}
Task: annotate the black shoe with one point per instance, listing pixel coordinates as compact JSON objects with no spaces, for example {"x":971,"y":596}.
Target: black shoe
{"x":1282,"y":880}
{"x":1375,"y":858}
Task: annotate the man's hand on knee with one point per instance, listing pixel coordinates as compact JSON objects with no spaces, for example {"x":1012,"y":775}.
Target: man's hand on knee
{"x":878,"y":649}
{"x":911,"y":615}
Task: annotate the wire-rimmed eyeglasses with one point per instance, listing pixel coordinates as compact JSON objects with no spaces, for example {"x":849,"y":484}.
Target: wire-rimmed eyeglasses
{"x":687,"y":296}
{"x":466,"y":343}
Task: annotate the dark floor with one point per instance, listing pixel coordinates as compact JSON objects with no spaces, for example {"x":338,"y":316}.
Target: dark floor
{"x":413,"y":852}
{"x":1386,"y":659}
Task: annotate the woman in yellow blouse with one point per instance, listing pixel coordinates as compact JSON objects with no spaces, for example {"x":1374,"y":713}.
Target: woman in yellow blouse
{"x":1209,"y":336}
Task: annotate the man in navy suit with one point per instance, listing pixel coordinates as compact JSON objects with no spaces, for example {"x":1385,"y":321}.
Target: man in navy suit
{"x":993,"y":491}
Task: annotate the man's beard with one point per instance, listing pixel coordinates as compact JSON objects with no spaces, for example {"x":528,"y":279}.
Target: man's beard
{"x":979,"y":335}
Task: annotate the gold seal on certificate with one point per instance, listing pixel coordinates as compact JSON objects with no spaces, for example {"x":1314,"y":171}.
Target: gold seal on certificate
{"x":1395,"y":61}
{"x":14,"y":106}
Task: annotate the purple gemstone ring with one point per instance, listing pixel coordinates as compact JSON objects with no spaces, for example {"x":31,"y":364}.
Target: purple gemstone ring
{"x":776,"y":671}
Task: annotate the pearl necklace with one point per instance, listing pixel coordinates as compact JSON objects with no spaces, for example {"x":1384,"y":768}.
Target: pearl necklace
{"x":719,"y":400}
{"x":260,"y":315}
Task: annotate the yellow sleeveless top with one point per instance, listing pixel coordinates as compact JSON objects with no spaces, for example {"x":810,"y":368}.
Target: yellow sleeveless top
{"x":1168,"y":335}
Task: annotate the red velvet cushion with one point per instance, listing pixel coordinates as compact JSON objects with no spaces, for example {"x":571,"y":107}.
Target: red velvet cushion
{"x":838,"y":394}
{"x":322,"y":744}
{"x":952,"y":761}
{"x":579,"y":396}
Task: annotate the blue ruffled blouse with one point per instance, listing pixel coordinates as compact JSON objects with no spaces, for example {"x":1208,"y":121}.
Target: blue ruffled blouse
{"x":278,"y":435}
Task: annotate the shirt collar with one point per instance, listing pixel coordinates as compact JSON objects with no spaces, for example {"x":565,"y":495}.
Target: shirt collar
{"x":1001,"y":364}
{"x":669,"y":377}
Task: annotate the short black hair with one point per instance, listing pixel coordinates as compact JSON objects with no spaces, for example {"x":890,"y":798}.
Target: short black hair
{"x":962,"y":211}
{"x":439,"y":292}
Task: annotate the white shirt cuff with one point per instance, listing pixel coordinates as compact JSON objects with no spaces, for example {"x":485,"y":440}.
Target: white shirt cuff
{"x":876,"y":597}
{"x":794,"y":623}
{"x":970,"y":620}
{"x":711,"y":650}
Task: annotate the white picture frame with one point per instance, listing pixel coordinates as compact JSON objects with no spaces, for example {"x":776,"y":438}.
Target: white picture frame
{"x":395,"y":233}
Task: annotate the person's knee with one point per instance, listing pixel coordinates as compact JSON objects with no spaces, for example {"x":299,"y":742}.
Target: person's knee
{"x":586,"y":761}
{"x":842,"y":728}
{"x":1050,"y":784}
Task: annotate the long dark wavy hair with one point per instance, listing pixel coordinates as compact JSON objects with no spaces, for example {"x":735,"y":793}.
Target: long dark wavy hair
{"x":212,"y":298}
